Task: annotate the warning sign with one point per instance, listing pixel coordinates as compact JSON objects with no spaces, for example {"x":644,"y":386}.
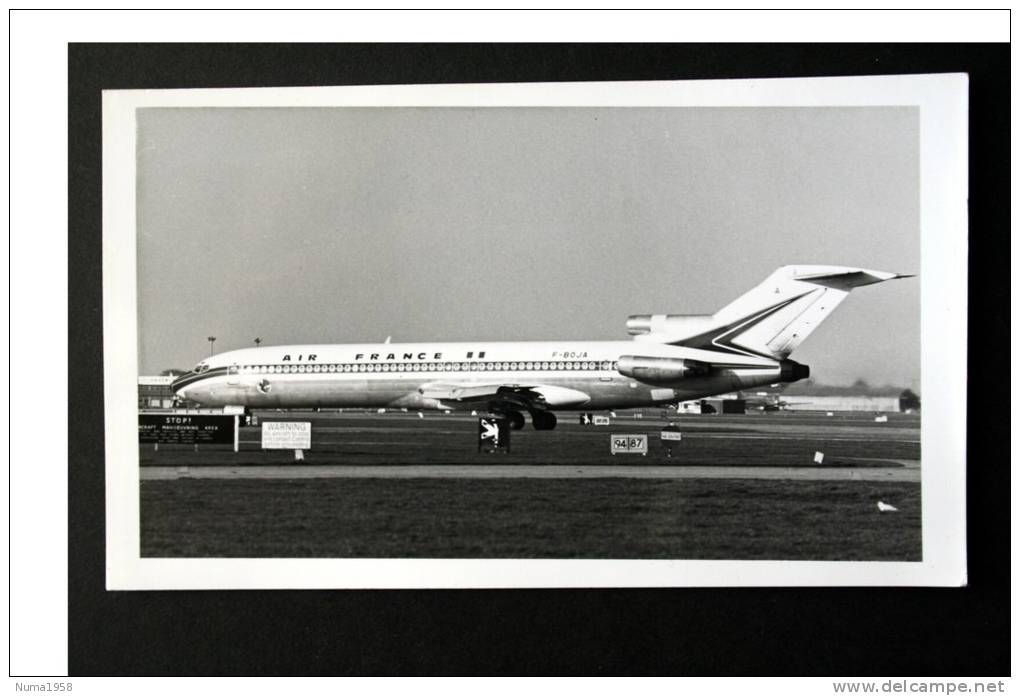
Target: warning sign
{"x":493,"y":434}
{"x":286,"y":435}
{"x":177,"y":429}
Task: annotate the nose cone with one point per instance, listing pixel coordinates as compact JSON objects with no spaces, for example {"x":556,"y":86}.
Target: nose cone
{"x":178,"y":384}
{"x":190,"y":386}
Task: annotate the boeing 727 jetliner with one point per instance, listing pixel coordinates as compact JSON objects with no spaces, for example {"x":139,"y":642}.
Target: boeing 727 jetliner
{"x":671,"y":358}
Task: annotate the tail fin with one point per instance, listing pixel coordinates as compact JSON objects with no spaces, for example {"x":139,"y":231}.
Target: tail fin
{"x":773,"y":318}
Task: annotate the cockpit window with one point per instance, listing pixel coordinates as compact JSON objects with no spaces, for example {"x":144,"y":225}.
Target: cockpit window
{"x":201,"y":367}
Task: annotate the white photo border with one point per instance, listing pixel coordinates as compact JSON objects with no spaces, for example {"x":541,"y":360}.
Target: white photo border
{"x":942,"y":102}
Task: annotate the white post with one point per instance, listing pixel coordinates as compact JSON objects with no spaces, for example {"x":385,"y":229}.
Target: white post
{"x":237,"y":433}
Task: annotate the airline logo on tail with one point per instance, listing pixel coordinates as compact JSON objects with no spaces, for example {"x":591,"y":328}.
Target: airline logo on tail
{"x":722,"y":338}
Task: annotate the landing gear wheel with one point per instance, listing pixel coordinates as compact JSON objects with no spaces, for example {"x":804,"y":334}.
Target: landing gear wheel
{"x":516,"y":419}
{"x":543,"y":420}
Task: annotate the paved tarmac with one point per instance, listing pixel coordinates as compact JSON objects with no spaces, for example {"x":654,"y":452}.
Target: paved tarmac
{"x":907,"y":471}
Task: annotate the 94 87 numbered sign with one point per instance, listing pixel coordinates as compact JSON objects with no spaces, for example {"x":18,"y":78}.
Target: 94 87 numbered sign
{"x":628,"y":444}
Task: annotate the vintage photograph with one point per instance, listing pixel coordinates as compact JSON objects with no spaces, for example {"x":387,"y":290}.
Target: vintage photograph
{"x":398,"y":327}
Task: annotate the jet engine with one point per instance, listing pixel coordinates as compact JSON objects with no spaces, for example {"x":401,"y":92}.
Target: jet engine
{"x":660,"y":370}
{"x":672,"y":326}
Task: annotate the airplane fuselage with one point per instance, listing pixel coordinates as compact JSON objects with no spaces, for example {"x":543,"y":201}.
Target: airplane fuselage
{"x":672,"y":358}
{"x":453,"y":376}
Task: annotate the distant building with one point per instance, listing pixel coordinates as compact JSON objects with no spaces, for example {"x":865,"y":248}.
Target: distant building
{"x":723,"y":406}
{"x":859,"y":396}
{"x":155,"y":392}
{"x":725,"y":403}
{"x":879,"y":404}
{"x":817,"y":398}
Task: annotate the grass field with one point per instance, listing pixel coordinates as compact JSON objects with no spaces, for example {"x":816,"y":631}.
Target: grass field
{"x":518,"y":518}
{"x":545,"y":518}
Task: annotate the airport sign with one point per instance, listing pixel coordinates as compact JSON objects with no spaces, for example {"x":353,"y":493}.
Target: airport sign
{"x":671,"y":435}
{"x":183,"y":429}
{"x":601,"y":420}
{"x":286,"y":435}
{"x":493,"y":434}
{"x":628,"y":444}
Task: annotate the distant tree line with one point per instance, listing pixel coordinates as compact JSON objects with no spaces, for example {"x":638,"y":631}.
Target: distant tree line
{"x":860,"y":387}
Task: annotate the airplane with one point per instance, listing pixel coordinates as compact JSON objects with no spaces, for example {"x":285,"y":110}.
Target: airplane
{"x":670,"y":358}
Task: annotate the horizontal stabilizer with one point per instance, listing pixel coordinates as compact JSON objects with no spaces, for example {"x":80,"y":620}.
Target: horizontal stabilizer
{"x":850,"y":279}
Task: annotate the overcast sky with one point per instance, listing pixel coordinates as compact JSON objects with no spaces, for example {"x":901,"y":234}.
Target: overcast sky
{"x":436,"y":224}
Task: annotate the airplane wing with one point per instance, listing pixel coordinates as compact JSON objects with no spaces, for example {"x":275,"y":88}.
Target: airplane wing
{"x":522,"y":396}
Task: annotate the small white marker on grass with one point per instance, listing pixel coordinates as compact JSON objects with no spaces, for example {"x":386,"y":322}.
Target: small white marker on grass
{"x":819,"y":457}
{"x":886,"y":507}
{"x":299,"y":455}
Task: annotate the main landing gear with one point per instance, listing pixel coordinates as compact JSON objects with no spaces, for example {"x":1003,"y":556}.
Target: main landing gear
{"x":543,"y":420}
{"x":516,"y":419}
